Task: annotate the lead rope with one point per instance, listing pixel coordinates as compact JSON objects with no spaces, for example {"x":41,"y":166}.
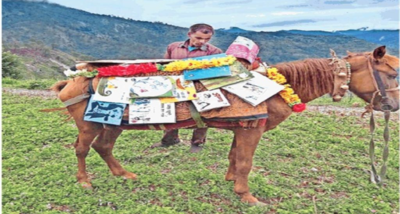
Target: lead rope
{"x":375,"y":178}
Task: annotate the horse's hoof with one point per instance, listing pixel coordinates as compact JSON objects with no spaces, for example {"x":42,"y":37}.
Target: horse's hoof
{"x":130,"y":175}
{"x":195,"y":148}
{"x":156,"y":145}
{"x":86,"y":185}
{"x":258,"y":204}
{"x":230,"y":177}
{"x":248,"y":198}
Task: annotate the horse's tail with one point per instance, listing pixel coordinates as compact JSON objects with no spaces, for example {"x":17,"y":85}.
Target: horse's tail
{"x":58,"y":86}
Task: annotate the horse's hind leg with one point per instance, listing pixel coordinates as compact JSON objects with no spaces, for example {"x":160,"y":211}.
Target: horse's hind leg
{"x":246,"y":144}
{"x":104,"y":145}
{"x":82,"y":147}
{"x":230,"y":175}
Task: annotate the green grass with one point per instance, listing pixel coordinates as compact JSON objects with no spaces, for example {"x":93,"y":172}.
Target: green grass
{"x":311,"y":162}
{"x":349,"y":100}
{"x":27,"y":84}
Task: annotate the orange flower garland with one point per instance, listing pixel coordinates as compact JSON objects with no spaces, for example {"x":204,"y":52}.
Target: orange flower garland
{"x":292,"y":99}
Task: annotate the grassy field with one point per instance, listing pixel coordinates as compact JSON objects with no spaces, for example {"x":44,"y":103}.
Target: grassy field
{"x":311,"y":163}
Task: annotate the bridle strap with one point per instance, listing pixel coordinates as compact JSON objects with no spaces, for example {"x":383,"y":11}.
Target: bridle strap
{"x":81,"y":97}
{"x":379,"y":83}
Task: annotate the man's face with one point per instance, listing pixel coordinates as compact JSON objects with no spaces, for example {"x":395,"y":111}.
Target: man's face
{"x":198,"y":38}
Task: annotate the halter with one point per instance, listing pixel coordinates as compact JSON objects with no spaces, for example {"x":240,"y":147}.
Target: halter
{"x":342,"y":76}
{"x":379,"y":86}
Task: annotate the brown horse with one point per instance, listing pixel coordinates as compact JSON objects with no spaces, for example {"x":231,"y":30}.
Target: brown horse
{"x":310,"y":79}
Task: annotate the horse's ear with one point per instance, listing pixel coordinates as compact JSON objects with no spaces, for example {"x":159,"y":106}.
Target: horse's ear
{"x":333,"y":53}
{"x":379,"y":52}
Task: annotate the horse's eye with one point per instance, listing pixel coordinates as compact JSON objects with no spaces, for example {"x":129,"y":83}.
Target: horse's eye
{"x":393,"y":76}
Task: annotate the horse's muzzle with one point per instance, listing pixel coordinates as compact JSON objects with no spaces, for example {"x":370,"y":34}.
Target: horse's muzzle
{"x":388,"y":104}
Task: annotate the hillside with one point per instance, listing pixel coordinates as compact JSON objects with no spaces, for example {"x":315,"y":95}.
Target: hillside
{"x":107,"y":37}
{"x":43,"y":62}
{"x":390,"y":38}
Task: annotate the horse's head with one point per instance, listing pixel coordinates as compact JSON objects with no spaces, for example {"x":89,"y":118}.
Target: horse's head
{"x":373,"y":78}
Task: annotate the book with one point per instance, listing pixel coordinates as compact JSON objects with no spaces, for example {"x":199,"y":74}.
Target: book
{"x":243,"y":48}
{"x":207,"y":73}
{"x":112,"y":89}
{"x":151,"y":111}
{"x":255,"y":90}
{"x":208,"y":100}
{"x":182,"y":90}
{"x":104,"y":112}
{"x":239,"y":74}
{"x":153,"y":86}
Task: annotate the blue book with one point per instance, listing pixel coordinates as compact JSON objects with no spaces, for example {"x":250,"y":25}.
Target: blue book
{"x":207,"y":73}
{"x":104,"y":112}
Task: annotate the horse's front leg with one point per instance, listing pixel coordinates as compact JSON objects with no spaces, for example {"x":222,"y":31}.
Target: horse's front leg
{"x":104,"y":145}
{"x":230,"y":175}
{"x":246,"y":144}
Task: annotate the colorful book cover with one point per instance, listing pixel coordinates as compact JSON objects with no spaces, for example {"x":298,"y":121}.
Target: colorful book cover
{"x":112,"y":89}
{"x":239,"y":74}
{"x":153,"y":86}
{"x":255,"y":90}
{"x":150,"y":111}
{"x":208,"y":100}
{"x":182,"y":90}
{"x":207,"y":73}
{"x":104,"y":112}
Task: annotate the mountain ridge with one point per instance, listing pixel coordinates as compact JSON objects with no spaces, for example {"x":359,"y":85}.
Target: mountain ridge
{"x":109,"y":37}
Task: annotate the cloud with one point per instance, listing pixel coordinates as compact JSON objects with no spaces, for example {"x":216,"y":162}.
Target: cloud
{"x":286,"y":13}
{"x":227,"y":2}
{"x":285,"y":23}
{"x":339,"y":2}
{"x":235,"y":2}
{"x":195,"y":1}
{"x":255,"y":15}
{"x":390,"y":15}
{"x":295,"y":6}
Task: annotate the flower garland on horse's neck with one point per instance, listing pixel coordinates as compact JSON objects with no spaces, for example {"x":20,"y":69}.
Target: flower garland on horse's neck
{"x":292,"y":99}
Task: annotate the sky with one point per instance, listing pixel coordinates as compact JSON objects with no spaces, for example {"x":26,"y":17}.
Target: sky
{"x":256,"y":15}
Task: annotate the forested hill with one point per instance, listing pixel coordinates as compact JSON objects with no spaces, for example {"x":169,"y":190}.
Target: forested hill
{"x":109,"y":37}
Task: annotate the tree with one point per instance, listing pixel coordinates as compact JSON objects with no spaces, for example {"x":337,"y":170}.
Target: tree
{"x":11,"y":65}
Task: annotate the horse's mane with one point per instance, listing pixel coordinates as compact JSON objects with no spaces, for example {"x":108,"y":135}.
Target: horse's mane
{"x":389,"y":59}
{"x":310,"y":77}
{"x":392,"y":61}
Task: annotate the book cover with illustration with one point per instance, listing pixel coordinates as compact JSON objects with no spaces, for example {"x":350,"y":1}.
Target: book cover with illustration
{"x":104,"y":112}
{"x":112,"y":89}
{"x":182,"y":90}
{"x":255,"y":90}
{"x":208,"y":100}
{"x":239,"y":74}
{"x":206,"y":73}
{"x":153,"y":86}
{"x":150,"y":111}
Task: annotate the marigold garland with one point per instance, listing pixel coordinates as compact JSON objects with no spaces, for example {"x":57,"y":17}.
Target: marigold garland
{"x":287,"y":93}
{"x":191,"y":64}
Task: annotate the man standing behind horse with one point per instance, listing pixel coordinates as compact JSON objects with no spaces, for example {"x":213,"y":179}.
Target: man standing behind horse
{"x":195,"y":46}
